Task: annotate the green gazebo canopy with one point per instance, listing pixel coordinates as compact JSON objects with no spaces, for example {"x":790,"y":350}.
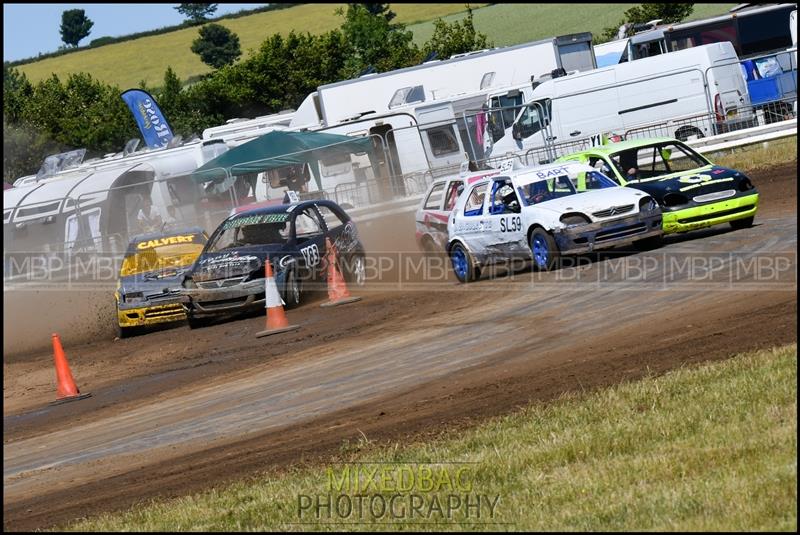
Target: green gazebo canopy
{"x":279,"y":149}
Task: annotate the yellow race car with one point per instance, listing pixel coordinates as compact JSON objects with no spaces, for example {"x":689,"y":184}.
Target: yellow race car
{"x":149,"y":287}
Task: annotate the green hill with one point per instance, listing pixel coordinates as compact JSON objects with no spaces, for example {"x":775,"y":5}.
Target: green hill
{"x":126,"y":64}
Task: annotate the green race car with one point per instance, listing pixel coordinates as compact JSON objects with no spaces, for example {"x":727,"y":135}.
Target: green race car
{"x":693,"y":192}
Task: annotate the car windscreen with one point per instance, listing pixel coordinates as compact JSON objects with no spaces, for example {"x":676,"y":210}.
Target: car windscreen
{"x":159,"y":258}
{"x":248,"y":231}
{"x":556,"y":187}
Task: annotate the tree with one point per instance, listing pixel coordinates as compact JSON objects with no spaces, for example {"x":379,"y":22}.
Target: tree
{"x":217,"y":46}
{"x":380,"y":10}
{"x":375,"y":42}
{"x":196,"y":13}
{"x":668,"y":13}
{"x":455,"y":38}
{"x":75,"y":25}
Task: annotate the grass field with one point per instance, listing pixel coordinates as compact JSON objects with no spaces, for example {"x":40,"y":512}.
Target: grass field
{"x":125,"y":64}
{"x":758,"y":154}
{"x":510,"y":24}
{"x":702,"y":448}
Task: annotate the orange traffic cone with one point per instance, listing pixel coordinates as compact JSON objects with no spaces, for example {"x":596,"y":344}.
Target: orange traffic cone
{"x":338,"y":294}
{"x":66,"y":390}
{"x":276,"y":317}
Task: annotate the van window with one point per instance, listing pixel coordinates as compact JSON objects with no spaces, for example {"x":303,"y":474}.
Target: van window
{"x":487,"y":80}
{"x":443,"y":140}
{"x":407,"y":95}
{"x":474,"y":204}
{"x":502,"y":119}
{"x":530,"y":121}
{"x":434,"y":200}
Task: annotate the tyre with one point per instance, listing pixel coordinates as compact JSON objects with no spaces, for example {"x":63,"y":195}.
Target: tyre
{"x":738,"y":224}
{"x":544,"y":250}
{"x":356,"y":272}
{"x":648,"y":244}
{"x":126,"y":332}
{"x":427,"y":246}
{"x":685,"y":132}
{"x":463,"y":264}
{"x":292,"y":289}
{"x":197,"y":323}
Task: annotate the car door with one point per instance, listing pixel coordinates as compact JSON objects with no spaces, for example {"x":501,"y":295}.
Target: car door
{"x":470,"y":223}
{"x":308,"y":234}
{"x":503,"y":219}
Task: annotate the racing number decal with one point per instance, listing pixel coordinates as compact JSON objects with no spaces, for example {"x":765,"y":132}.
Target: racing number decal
{"x":510,"y":224}
{"x":311,"y":254}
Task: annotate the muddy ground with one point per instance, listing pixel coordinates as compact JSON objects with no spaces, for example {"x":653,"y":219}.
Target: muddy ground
{"x":177,"y":410}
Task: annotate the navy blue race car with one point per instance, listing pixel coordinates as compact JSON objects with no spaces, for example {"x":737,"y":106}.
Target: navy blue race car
{"x":228,"y":277}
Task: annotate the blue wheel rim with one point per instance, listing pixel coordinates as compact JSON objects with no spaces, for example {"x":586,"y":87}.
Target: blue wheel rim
{"x":541,"y":253}
{"x":459,"y":259}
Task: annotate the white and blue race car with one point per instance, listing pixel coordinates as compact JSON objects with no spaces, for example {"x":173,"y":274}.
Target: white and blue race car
{"x":540,"y":213}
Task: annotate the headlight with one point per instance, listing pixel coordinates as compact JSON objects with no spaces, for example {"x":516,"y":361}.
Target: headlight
{"x":745,"y":184}
{"x":675,"y":199}
{"x":648,"y":204}
{"x":133,"y":297}
{"x":573,"y":220}
{"x":189,"y":283}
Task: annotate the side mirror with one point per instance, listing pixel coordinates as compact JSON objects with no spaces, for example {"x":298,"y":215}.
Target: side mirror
{"x":516,"y":131}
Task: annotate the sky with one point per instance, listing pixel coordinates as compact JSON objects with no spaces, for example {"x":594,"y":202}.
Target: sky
{"x":29,"y":29}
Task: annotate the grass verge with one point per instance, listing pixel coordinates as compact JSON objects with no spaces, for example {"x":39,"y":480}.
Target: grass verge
{"x":757,"y":155}
{"x":705,"y":448}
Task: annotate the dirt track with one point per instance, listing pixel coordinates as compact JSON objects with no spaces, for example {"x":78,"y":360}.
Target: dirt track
{"x":181,"y":410}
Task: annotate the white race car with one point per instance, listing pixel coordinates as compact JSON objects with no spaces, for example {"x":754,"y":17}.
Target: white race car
{"x":542,"y":212}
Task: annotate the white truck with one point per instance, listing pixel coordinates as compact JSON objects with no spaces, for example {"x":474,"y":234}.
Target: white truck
{"x":694,"y":92}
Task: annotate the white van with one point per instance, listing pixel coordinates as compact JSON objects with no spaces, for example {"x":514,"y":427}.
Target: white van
{"x":696,"y":92}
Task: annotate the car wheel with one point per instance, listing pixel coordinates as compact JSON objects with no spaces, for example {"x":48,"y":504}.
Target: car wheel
{"x":357,"y":270}
{"x":544,"y":250}
{"x":648,"y":244}
{"x":738,"y":224}
{"x":685,"y":132}
{"x":292,"y":290}
{"x":463,"y":265}
{"x":196,"y":323}
{"x":126,"y":332}
{"x":427,"y":246}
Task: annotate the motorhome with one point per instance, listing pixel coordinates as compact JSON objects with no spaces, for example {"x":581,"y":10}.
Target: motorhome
{"x":694,"y":92}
